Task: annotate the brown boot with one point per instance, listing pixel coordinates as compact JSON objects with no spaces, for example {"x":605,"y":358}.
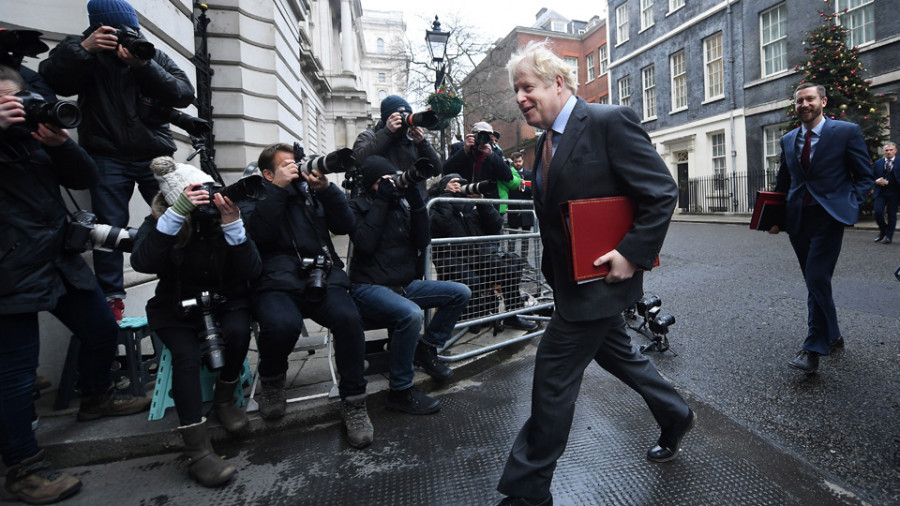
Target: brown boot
{"x":111,"y":403}
{"x":232,"y":417}
{"x":32,"y":481}
{"x":204,"y":466}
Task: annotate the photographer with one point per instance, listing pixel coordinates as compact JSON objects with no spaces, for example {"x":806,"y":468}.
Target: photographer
{"x":479,"y":265}
{"x":125,"y":98}
{"x":302,"y":276}
{"x":475,"y":159}
{"x":38,"y":274}
{"x":400,"y":144}
{"x":392,"y":232}
{"x":192,"y":252}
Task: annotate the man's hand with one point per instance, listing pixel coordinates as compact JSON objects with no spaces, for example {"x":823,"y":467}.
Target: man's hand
{"x":453,"y":185}
{"x":486,"y":149}
{"x":129,"y":59}
{"x":230,"y":212}
{"x":316,"y":181}
{"x":394,"y":122}
{"x":11,"y":111}
{"x":881,"y":181}
{"x":774,"y":229}
{"x":469,"y":142}
{"x":285,"y":173}
{"x":50,"y":135}
{"x":101,"y":39}
{"x":417,"y":134}
{"x":620,"y":268}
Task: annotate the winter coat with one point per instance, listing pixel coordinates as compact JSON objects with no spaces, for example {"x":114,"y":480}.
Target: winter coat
{"x":33,"y":223}
{"x":396,"y":147}
{"x":492,"y":168}
{"x":463,"y":219}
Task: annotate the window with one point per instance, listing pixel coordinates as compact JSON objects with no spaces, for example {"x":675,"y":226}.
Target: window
{"x":625,"y":91}
{"x":380,"y":45}
{"x":589,"y":63}
{"x":773,"y":40}
{"x":648,"y":84}
{"x":604,"y":99}
{"x":603,"y":52}
{"x":382,"y":94}
{"x":772,"y":135}
{"x":674,"y":5}
{"x":558,"y":26}
{"x":621,"y":24}
{"x":381,"y":77}
{"x":572,"y":62}
{"x":859,"y":20}
{"x":679,"y":81}
{"x":646,"y":14}
{"x":713,"y":76}
{"x":717,"y":141}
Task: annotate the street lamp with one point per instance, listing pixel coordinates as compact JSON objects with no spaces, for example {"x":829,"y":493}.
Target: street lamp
{"x":437,"y":48}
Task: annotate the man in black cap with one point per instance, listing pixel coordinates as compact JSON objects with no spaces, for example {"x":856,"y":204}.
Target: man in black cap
{"x":126,"y":99}
{"x":386,"y":269}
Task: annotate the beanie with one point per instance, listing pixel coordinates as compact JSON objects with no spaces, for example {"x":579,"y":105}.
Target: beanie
{"x":174,"y":177}
{"x":112,"y":13}
{"x":373,"y":168}
{"x":392,"y":104}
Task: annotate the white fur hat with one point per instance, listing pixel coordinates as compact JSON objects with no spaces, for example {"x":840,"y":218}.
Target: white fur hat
{"x":174,"y":177}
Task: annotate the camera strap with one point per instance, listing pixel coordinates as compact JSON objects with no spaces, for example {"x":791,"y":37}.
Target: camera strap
{"x":308,"y":202}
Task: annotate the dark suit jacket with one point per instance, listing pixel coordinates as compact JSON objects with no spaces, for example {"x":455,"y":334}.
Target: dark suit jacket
{"x":893,"y":187}
{"x":604,"y":152}
{"x":839,"y":175}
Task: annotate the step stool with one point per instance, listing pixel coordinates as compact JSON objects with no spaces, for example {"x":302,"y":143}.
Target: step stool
{"x":162,"y":393}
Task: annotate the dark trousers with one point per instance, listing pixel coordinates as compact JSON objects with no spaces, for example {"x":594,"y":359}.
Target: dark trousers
{"x":886,"y":201}
{"x":564,"y":352}
{"x":87,"y":315}
{"x":186,"y":359}
{"x":818,"y":246}
{"x":280,"y":316}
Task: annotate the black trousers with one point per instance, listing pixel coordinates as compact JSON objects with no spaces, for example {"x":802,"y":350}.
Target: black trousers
{"x":564,"y":352}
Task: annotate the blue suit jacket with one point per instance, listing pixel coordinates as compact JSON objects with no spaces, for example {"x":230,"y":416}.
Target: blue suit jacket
{"x":839,"y":175}
{"x":893,"y":187}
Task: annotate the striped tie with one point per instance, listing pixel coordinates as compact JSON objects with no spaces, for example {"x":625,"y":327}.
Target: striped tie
{"x":546,"y":158}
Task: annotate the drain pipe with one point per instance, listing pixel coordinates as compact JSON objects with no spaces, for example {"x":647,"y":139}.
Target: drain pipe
{"x":734,"y":202}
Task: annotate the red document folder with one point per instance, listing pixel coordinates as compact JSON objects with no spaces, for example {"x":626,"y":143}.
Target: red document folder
{"x":593,"y":228}
{"x":768,"y":211}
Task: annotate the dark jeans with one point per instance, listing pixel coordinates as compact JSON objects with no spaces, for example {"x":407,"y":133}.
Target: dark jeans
{"x":280,"y":316}
{"x":891,"y":202}
{"x":109,"y":201}
{"x":186,"y":359}
{"x":403,"y":313}
{"x":87,"y":315}
{"x":818,"y":246}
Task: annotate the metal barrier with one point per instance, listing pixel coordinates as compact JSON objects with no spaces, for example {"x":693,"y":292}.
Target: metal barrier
{"x":503,"y":272}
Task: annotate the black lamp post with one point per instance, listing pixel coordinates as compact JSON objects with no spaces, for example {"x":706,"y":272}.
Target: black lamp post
{"x":437,"y":48}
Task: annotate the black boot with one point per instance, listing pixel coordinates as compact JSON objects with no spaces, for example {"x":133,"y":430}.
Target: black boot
{"x":32,"y":481}
{"x":272,"y":402}
{"x":426,"y":357}
{"x":232,"y":417}
{"x":204,"y":466}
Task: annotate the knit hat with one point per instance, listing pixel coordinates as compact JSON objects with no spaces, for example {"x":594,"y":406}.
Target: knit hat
{"x":373,"y":168}
{"x":392,"y":104}
{"x":112,"y":13}
{"x":174,"y":177}
{"x":482,"y":126}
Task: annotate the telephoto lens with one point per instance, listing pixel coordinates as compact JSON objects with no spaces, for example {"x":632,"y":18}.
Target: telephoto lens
{"x":212,"y":344}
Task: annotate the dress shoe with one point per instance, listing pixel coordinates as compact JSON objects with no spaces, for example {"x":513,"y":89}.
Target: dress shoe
{"x":837,"y":344}
{"x":669,"y":443}
{"x":806,"y":361}
{"x":514,"y":322}
{"x":879,"y":238}
{"x":518,"y":501}
{"x":887,"y":240}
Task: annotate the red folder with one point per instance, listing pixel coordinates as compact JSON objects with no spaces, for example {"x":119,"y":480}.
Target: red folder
{"x":769,"y":210}
{"x":593,"y":228}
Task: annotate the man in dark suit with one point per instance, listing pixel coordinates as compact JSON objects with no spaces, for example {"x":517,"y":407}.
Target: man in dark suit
{"x":597,"y":151}
{"x":886,"y":194}
{"x":826,"y":173}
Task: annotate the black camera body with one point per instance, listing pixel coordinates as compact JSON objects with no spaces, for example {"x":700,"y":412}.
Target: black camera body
{"x":84,"y":233}
{"x":246,"y":188}
{"x":481,"y":138}
{"x":422,"y":170}
{"x":317,"y":279}
{"x":130,"y":39}
{"x":64,"y":113}
{"x":212,"y":342}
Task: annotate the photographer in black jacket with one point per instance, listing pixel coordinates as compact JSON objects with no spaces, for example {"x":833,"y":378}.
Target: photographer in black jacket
{"x":126,"y":97}
{"x":476,"y":159}
{"x":38,"y":274}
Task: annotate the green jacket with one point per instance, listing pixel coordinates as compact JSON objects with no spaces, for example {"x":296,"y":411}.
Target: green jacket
{"x":503,"y":187}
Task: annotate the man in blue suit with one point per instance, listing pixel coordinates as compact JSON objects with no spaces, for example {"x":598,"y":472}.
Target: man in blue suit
{"x":826,"y":173}
{"x":886,"y":194}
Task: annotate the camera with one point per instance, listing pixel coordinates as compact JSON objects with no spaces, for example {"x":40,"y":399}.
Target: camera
{"x":340,"y":160}
{"x":246,"y":188}
{"x":481,"y":138}
{"x":647,"y":303}
{"x":130,"y":39}
{"x":661,"y":324}
{"x":84,"y":233}
{"x":479,"y":188}
{"x":317,"y":280}
{"x":422,"y":170}
{"x":212,"y":344}
{"x":64,"y":113}
{"x":424,"y":119}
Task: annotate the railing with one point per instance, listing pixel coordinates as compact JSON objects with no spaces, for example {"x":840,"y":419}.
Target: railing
{"x":735,"y":193}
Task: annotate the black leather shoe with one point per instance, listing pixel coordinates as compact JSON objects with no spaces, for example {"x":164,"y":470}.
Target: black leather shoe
{"x":669,"y":443}
{"x":514,"y":322}
{"x":518,"y":501}
{"x":879,"y":238}
{"x":426,"y":358}
{"x":837,"y":344}
{"x":806,"y":361}
{"x":412,"y":401}
{"x":886,"y":240}
{"x":475,"y":329}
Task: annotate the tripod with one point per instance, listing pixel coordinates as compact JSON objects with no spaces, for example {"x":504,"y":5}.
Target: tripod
{"x":652,"y":325}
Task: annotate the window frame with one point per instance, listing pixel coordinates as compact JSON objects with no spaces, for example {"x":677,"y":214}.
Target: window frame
{"x":589,"y":66}
{"x":781,"y":41}
{"x":647,"y":18}
{"x":624,"y":98}
{"x":603,"y":56}
{"x":866,"y":7}
{"x":622,"y":27}
{"x":678,"y":81}
{"x":648,"y":92}
{"x":713,"y":68}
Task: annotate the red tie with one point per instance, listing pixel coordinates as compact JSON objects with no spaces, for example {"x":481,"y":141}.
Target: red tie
{"x":546,"y":158}
{"x":807,"y":149}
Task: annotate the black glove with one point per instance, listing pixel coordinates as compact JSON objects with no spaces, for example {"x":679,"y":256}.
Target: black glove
{"x":386,"y":190}
{"x":414,"y":196}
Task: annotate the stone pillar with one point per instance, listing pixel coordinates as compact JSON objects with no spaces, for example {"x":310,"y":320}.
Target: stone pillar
{"x":347,"y":37}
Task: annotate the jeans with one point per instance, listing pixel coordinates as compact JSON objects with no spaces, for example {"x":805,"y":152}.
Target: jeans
{"x":87,"y":315}
{"x":280,"y":316}
{"x":402,"y":312}
{"x":109,"y":201}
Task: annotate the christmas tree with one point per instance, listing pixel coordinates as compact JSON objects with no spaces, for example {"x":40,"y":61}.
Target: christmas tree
{"x":834,"y":65}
